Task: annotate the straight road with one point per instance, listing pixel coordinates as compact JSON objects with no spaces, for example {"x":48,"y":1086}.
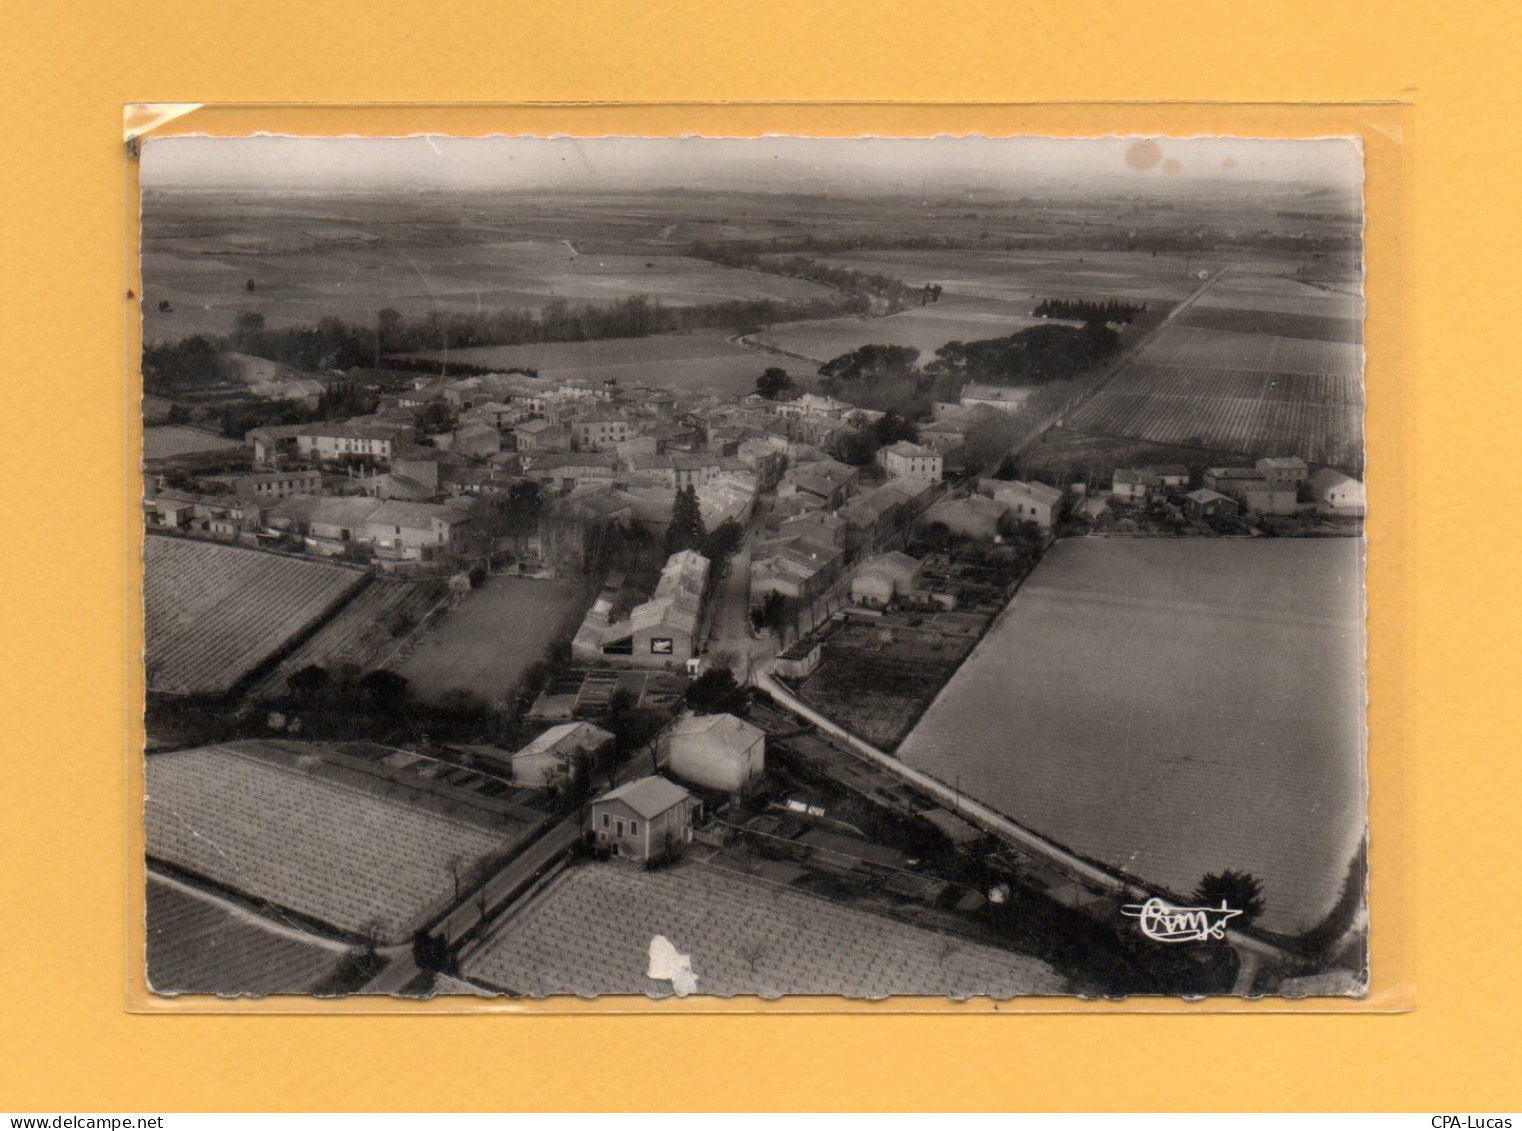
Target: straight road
{"x":731,"y":620}
{"x":512,"y":878}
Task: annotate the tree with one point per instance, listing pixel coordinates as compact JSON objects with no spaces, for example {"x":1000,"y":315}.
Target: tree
{"x":385,"y":689}
{"x":935,"y":536}
{"x":857,"y":447}
{"x":1239,"y":891}
{"x":892,"y":427}
{"x":715,"y":692}
{"x":435,"y":417}
{"x":309,"y":682}
{"x":753,"y":950}
{"x":249,"y":327}
{"x":686,"y":529}
{"x":869,"y":366}
{"x":721,"y":544}
{"x":388,"y":329}
{"x":773,"y":382}
{"x":776,"y":611}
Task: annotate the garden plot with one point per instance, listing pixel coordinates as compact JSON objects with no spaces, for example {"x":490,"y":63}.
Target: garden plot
{"x":1172,"y":708}
{"x":357,"y":860}
{"x":877,"y":676}
{"x":486,"y":642}
{"x":590,"y":933}
{"x":214,"y":613}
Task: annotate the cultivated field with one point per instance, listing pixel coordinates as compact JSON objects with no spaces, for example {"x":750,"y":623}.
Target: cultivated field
{"x":196,"y":946}
{"x":703,"y":361}
{"x":1258,"y":353}
{"x":214,"y":613}
{"x":1262,"y":363}
{"x":486,"y":643}
{"x":361,"y":632}
{"x":1315,"y":416}
{"x":346,"y":856}
{"x":589,"y":933}
{"x":164,"y":440}
{"x":1173,"y":708}
{"x":1320,"y":298}
{"x":925,"y":328}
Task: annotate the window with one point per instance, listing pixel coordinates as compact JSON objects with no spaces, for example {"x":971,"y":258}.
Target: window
{"x":620,"y":829}
{"x":634,"y":828}
{"x":605,"y":820}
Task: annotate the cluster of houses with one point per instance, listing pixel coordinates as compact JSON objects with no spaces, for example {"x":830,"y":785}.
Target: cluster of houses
{"x":1275,"y":486}
{"x":829,"y":520}
{"x":718,"y":756}
{"x":603,"y":456}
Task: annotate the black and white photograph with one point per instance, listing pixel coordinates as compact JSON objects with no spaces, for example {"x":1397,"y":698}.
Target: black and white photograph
{"x":719,"y":567}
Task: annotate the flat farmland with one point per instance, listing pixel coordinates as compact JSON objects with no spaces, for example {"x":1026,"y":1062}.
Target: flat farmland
{"x":346,"y":856}
{"x":214,"y":613}
{"x":1172,"y":708}
{"x":198,"y":946}
{"x":1023,"y":278}
{"x":1249,"y":320}
{"x":1261,"y":353}
{"x":1283,"y":305}
{"x":314,"y":259}
{"x":1316,"y":416}
{"x":925,"y":328}
{"x":703,"y":361}
{"x":487,"y":641}
{"x":589,"y":933}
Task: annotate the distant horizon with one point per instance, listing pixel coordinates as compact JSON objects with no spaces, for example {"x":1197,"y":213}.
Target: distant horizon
{"x":811,"y":166}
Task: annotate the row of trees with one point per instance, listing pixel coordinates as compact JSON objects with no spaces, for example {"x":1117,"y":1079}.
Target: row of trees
{"x":1114,"y":312}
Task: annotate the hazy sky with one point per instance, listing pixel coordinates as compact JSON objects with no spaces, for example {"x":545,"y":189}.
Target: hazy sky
{"x":769,"y":163}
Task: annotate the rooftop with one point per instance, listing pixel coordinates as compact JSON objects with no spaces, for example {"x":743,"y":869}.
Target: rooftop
{"x":726,"y":729}
{"x":649,"y":797}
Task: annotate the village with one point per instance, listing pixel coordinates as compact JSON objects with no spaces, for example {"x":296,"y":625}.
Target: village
{"x":733,"y":581}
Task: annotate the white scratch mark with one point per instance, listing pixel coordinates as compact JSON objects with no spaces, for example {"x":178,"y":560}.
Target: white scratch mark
{"x":667,"y":964}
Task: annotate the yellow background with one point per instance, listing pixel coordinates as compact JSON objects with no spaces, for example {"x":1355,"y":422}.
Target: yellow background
{"x":1443,"y":662}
